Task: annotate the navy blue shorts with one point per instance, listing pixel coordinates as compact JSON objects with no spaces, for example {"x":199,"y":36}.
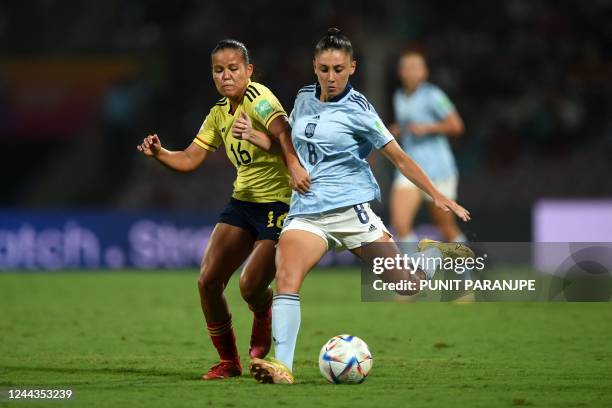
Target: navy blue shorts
{"x":263,"y":220}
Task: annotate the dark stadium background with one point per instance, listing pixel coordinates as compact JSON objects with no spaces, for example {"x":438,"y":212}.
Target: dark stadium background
{"x":81,"y":83}
{"x":84,"y":216}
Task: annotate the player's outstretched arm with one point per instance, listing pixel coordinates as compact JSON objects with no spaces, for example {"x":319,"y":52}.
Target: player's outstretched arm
{"x":186,"y":160}
{"x":411,"y":170}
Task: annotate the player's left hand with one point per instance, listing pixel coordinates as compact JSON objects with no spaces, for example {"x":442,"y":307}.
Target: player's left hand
{"x":419,"y":129}
{"x":446,"y":204}
{"x":299,"y":179}
{"x":242,"y":127}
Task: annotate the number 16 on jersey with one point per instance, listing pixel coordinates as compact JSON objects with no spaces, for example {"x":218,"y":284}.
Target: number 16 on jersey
{"x":244,"y":155}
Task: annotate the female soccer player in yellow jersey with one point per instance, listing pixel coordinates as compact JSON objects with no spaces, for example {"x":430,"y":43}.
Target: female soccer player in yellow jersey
{"x":248,"y":228}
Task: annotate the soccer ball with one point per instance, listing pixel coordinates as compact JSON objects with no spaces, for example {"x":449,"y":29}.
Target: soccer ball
{"x":345,"y":359}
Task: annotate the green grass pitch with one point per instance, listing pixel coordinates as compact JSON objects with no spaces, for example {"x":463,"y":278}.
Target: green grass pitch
{"x":138,"y":339}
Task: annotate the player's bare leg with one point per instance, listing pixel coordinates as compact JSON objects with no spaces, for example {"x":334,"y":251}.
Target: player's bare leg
{"x":427,"y":247}
{"x":446,"y":223}
{"x":389,"y":249}
{"x":255,"y":281}
{"x":404,"y":204}
{"x":227,"y":249}
{"x":297,"y":253}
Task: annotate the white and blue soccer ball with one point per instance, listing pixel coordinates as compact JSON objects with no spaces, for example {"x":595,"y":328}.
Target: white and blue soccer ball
{"x":345,"y":359}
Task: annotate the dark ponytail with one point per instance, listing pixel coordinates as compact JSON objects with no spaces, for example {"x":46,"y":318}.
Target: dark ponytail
{"x":334,"y":40}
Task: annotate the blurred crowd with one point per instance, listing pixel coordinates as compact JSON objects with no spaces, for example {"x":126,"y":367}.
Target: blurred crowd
{"x":532,"y":81}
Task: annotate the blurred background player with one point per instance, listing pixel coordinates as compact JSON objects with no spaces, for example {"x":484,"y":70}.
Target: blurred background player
{"x":334,"y":128}
{"x":425,"y":118}
{"x":250,"y":224}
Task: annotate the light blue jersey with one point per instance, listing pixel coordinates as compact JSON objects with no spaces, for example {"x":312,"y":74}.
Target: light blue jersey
{"x":432,"y":152}
{"x":332,"y":140}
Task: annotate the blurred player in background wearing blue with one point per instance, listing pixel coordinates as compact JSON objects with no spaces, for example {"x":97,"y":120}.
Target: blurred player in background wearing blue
{"x":334,"y":128}
{"x":248,"y":228}
{"x":425,"y":118}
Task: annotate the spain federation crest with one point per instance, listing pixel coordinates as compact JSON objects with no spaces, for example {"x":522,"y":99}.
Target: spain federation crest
{"x":310,"y":129}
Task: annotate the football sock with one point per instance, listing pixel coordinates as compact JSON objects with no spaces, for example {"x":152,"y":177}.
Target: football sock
{"x":286,"y":318}
{"x":460,"y":238}
{"x":410,"y":237}
{"x":432,"y":257}
{"x":261,"y":331}
{"x":261,"y":313}
{"x":222,"y":336}
{"x":408,"y":243}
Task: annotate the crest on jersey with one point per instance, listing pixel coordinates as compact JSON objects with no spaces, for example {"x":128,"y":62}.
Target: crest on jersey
{"x":263,"y":109}
{"x":310,"y":129}
{"x":382,"y":129}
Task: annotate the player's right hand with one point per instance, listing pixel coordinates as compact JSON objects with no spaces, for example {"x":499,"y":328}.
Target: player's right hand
{"x":446,"y":204}
{"x":300,"y":180}
{"x":150,"y":146}
{"x":242,"y":127}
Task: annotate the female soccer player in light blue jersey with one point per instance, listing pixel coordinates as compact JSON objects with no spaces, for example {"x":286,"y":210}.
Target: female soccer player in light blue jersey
{"x":425,"y":118}
{"x":333,"y":129}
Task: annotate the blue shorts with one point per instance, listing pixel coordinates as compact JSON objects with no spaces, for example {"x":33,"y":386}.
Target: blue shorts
{"x":263,"y":220}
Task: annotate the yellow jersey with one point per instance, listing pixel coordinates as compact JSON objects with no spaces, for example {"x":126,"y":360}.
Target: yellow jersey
{"x":261,"y":177}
